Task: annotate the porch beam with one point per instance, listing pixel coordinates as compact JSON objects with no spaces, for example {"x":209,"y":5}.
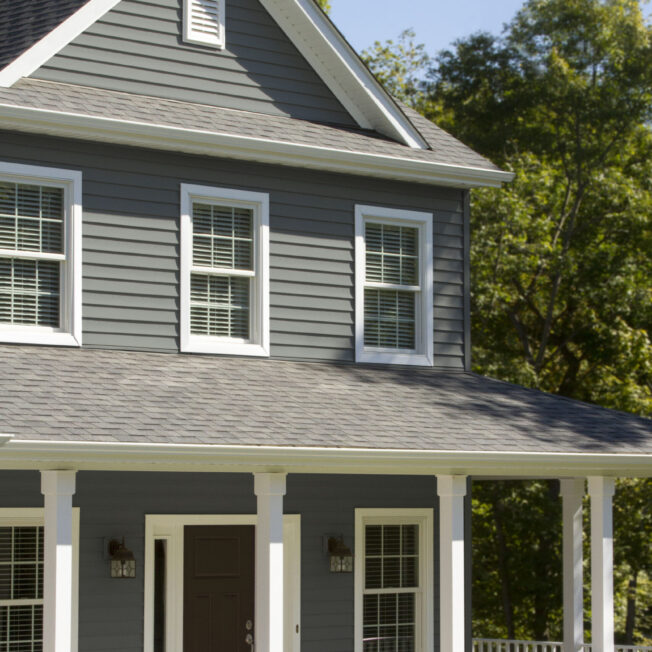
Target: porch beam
{"x":601,"y":490}
{"x":57,"y":488}
{"x":451,"y":490}
{"x":572,"y":491}
{"x":268,"y":628}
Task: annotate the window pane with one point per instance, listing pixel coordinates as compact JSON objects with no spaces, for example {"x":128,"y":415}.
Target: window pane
{"x":219,"y":306}
{"x":29,"y":292}
{"x":389,"y":622}
{"x":222,"y":236}
{"x":31,"y":218}
{"x":392,"y":254}
{"x":391,"y":556}
{"x":389,"y":319}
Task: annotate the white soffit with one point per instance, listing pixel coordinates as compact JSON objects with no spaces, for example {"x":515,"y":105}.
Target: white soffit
{"x":342,"y":71}
{"x":54,"y":41}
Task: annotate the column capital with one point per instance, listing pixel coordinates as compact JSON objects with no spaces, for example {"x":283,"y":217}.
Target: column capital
{"x":451,"y":485}
{"x":571,"y":487}
{"x":58,"y":483}
{"x":601,"y":485}
{"x":269,"y":484}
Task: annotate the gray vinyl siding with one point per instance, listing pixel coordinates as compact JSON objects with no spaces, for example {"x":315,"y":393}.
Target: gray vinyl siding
{"x":137,"y":48}
{"x":113,"y":505}
{"x":131,"y":246}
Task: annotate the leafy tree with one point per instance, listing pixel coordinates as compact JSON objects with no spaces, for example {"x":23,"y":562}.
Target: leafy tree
{"x":400,"y":66}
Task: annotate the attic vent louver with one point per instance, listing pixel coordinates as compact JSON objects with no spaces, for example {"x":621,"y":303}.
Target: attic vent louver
{"x":204,"y":22}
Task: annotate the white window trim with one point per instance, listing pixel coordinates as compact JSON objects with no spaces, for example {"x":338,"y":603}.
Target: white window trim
{"x":423,"y":517}
{"x":70,"y":332}
{"x":170,"y":528}
{"x":199,"y":38}
{"x":259,"y":203}
{"x":33,"y":516}
{"x":423,"y":355}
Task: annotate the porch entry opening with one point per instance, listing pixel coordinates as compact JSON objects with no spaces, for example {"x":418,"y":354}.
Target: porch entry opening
{"x":218,"y":605}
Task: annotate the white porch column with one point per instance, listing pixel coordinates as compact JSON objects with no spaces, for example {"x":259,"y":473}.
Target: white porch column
{"x":572,"y":492}
{"x":451,"y":490}
{"x":268,"y":628}
{"x":58,"y":488}
{"x":601,"y":491}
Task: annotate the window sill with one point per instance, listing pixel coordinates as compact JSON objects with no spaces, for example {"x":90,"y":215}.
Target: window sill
{"x":13,"y":335}
{"x":221,"y":347}
{"x":384,"y":357}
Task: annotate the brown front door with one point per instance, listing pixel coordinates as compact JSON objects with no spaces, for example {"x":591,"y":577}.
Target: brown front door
{"x":218,"y":592}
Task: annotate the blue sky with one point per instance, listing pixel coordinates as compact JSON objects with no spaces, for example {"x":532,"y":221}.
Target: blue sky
{"x":436,"y":22}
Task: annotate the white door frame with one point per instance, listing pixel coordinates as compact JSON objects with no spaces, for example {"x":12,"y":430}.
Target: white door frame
{"x":169,"y":527}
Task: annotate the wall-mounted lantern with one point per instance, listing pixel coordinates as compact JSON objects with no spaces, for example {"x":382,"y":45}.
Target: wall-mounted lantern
{"x":123,"y":562}
{"x":341,"y":557}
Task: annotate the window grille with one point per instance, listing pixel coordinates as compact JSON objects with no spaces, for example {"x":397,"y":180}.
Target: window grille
{"x":21,"y":589}
{"x":391,"y":286}
{"x":31,"y":254}
{"x":391,"y":588}
{"x":222,"y":270}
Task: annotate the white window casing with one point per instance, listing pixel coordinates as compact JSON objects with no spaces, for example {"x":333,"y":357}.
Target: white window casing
{"x":170,"y":528}
{"x":394,"y":588}
{"x":40,"y":255}
{"x":398,"y":286}
{"x":204,"y":22}
{"x":20,"y":528}
{"x":224,"y":271}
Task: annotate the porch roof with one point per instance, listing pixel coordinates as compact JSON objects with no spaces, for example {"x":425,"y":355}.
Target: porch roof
{"x":86,"y":395}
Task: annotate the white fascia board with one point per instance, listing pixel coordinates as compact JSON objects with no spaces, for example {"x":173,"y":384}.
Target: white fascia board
{"x":342,"y":71}
{"x":85,"y":455}
{"x":170,"y":138}
{"x":54,"y":41}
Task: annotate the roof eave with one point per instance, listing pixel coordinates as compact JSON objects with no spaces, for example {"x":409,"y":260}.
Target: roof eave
{"x":85,"y":455}
{"x":165,"y":137}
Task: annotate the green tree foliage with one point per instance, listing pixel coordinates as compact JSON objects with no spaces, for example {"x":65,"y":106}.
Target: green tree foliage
{"x":400,"y":66}
{"x":325,"y":5}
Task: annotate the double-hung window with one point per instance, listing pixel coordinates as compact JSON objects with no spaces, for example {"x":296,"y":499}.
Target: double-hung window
{"x":40,"y":255}
{"x":394,"y":583}
{"x":394,"y":291}
{"x":224,"y":271}
{"x":21,"y":579}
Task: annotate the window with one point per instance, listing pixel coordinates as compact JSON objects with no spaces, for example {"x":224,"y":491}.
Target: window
{"x":224,"y":271}
{"x":203,"y":22}
{"x":394,"y":293}
{"x":394,"y":583}
{"x":40,"y":255}
{"x":21,"y":579}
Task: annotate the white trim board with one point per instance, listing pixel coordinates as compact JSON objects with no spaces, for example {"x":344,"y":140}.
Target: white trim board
{"x":423,"y":517}
{"x":193,"y":141}
{"x":170,"y":528}
{"x":27,"y":516}
{"x":54,"y":41}
{"x":310,"y":31}
{"x":40,"y":454}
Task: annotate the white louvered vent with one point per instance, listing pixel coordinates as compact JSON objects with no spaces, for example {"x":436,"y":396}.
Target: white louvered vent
{"x":204,"y":22}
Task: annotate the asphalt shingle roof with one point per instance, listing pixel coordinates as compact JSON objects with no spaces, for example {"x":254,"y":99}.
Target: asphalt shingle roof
{"x":83,"y":100}
{"x":50,"y":393}
{"x":22,"y":24}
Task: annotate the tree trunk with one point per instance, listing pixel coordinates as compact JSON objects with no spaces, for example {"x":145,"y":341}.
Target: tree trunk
{"x":630,"y":622}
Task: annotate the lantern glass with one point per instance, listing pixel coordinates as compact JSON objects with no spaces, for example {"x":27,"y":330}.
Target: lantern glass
{"x":123,"y":563}
{"x":341,"y":558}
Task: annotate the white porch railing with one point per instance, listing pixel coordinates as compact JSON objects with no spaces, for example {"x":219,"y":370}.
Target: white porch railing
{"x":504,"y":645}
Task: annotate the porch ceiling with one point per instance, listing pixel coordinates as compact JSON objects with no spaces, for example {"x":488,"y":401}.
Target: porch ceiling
{"x":97,"y":396}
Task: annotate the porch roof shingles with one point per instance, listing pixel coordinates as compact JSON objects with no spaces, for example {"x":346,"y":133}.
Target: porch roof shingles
{"x":99,"y":395}
{"x":86,"y":101}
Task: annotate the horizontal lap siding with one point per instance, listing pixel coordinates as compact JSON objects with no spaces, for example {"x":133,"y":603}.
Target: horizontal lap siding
{"x":136,"y":48}
{"x":113,"y":505}
{"x":131,"y":246}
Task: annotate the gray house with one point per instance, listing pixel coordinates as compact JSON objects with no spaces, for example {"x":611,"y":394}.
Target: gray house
{"x":236,"y":394}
